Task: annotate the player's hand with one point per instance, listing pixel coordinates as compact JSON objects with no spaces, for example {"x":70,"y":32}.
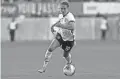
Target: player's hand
{"x":52,"y":29}
{"x":55,"y":25}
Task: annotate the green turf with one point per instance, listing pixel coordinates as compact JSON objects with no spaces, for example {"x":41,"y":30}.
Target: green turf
{"x":92,"y":59}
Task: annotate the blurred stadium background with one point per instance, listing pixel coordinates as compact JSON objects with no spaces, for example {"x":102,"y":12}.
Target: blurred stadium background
{"x":93,"y":59}
{"x":39,"y":15}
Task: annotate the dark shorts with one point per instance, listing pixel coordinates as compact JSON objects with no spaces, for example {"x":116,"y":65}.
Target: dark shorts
{"x":66,"y":45}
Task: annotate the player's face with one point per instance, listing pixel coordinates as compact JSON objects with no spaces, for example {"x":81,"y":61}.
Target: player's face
{"x":63,"y":9}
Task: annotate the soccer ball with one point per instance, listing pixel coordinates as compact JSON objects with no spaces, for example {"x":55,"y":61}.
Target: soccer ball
{"x":20,"y":18}
{"x":69,"y":70}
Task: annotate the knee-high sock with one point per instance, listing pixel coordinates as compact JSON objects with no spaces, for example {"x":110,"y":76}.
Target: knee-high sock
{"x":69,"y":61}
{"x":47,"y":58}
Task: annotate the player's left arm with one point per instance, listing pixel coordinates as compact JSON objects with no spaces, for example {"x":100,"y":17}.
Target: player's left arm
{"x":69,"y":25}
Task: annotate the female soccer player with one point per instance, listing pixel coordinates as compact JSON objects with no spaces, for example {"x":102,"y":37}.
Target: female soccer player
{"x":64,"y":37}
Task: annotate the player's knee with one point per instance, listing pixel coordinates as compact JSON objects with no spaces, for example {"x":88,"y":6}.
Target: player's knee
{"x":47,"y":59}
{"x":50,"y":49}
{"x":48,"y":56}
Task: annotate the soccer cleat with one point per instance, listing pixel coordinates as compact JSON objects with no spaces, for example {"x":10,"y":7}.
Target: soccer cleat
{"x":69,"y":63}
{"x":42,"y":70}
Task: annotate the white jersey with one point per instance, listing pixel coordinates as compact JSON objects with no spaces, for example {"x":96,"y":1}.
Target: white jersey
{"x":65,"y":33}
{"x":12,"y":25}
{"x":104,"y":24}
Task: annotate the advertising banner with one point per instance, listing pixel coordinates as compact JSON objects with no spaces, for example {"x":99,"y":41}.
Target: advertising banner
{"x":8,"y":9}
{"x":104,"y":8}
{"x":29,"y":8}
{"x":39,"y":9}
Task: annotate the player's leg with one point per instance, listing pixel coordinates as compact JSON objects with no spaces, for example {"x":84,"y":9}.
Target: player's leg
{"x":13,"y":35}
{"x":68,"y":57}
{"x":48,"y":53}
{"x":67,"y":46}
{"x":10,"y":33}
{"x":55,"y":43}
{"x":104,"y":34}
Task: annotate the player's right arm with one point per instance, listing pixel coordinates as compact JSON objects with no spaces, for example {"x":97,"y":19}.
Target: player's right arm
{"x":56,"y":24}
{"x":52,"y":27}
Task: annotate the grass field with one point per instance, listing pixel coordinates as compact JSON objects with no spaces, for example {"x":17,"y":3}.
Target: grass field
{"x":92,"y":59}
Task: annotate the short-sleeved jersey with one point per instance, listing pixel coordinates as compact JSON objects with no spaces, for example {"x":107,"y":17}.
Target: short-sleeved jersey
{"x":67,"y":35}
{"x":67,"y":18}
{"x":12,"y":25}
{"x":103,"y":24}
